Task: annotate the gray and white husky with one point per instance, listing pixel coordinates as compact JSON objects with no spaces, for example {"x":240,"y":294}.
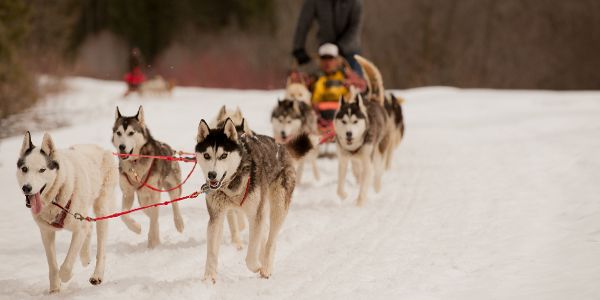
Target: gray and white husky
{"x":131,"y":136}
{"x":363,"y":132}
{"x":252,"y":174}
{"x":291,"y":118}
{"x":77,"y":179}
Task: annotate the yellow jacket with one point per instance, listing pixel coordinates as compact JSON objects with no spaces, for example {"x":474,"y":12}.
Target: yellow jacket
{"x":329,"y":87}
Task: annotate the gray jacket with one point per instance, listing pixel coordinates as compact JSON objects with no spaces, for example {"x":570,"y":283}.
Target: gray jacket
{"x":340,"y":22}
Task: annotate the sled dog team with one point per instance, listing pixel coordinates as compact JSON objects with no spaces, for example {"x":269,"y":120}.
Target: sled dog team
{"x":251,"y":177}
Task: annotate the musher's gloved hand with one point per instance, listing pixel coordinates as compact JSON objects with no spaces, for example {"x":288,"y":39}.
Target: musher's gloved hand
{"x":301,"y":56}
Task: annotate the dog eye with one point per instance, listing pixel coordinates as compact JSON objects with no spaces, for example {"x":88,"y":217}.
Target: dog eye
{"x":206,"y":156}
{"x":24,"y":169}
{"x":42,"y":170}
{"x":344,"y":122}
{"x":118,"y":133}
{"x":223,"y":156}
{"x":130,"y":133}
{"x":354,"y":122}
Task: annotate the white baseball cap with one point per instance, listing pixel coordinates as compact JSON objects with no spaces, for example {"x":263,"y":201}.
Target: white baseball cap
{"x":329,"y":49}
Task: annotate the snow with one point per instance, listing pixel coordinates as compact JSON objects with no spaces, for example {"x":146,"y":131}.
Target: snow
{"x":492,"y":195}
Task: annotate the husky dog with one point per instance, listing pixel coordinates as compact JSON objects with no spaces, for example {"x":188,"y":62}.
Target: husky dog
{"x":393,"y":107}
{"x":235,"y":218}
{"x":291,"y":118}
{"x":362,"y":130}
{"x":297,"y":91}
{"x":77,"y":179}
{"x":250,"y":173}
{"x":131,"y":136}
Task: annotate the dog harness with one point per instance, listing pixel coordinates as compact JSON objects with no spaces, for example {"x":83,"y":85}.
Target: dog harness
{"x":145,"y":180}
{"x":59,"y":220}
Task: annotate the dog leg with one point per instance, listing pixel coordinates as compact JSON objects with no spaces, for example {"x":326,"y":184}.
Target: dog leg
{"x":48,"y":238}
{"x":154,"y":231}
{"x":365,"y":180}
{"x":256,"y":239}
{"x":342,"y":170}
{"x":278,"y":212}
{"x":214,"y":234}
{"x":127,"y":204}
{"x":378,"y":162}
{"x":356,"y":171}
{"x":315,"y":169}
{"x":299,"y":171}
{"x":234,"y":228}
{"x":101,"y":231}
{"x":177,"y":219}
{"x":241,"y":219}
{"x":84,"y":254}
{"x":77,"y":239}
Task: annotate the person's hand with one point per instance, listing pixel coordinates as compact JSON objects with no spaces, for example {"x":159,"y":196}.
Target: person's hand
{"x":301,"y":56}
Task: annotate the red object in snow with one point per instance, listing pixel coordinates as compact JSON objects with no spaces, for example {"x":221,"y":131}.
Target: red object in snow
{"x":135,"y":77}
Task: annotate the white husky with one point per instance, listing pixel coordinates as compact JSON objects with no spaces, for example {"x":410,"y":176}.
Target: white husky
{"x":77,"y":179}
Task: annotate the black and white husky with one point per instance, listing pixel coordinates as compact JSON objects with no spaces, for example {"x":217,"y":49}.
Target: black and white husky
{"x":77,"y":179}
{"x":131,"y":136}
{"x":363,"y":135}
{"x":291,"y":118}
{"x":250,"y":173}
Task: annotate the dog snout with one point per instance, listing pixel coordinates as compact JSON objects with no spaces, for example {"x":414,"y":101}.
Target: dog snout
{"x":212,"y":175}
{"x":283,"y":135}
{"x":122,"y":147}
{"x":26,"y":189}
{"x":348,"y":134}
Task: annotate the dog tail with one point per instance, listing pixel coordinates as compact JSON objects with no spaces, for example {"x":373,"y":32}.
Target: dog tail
{"x":374,"y":79}
{"x":302,"y":145}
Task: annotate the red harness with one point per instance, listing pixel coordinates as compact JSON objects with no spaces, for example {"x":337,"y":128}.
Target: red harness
{"x":246,"y":192}
{"x":145,"y":180}
{"x":59,"y":220}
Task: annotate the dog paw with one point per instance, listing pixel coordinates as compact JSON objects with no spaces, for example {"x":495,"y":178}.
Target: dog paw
{"x":210,"y":278}
{"x":65,"y":274}
{"x":253,"y":266}
{"x":152,"y":243}
{"x":54,"y":290}
{"x":179,"y":224}
{"x":377,"y":186}
{"x":135,"y":227}
{"x":342,"y":194}
{"x":264,"y":273}
{"x":95,"y":281}
{"x":238,"y":245}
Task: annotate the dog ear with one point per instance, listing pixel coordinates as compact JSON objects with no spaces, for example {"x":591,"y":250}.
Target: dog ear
{"x":48,"y":145}
{"x":238,"y":114}
{"x":230,"y":130}
{"x":246,"y":128}
{"x":203,"y":131}
{"x":140,"y":115}
{"x":341,"y":101}
{"x":117,"y":114}
{"x":27,"y":144}
{"x":222,"y":113}
{"x":279,"y":102}
{"x":361,"y":103}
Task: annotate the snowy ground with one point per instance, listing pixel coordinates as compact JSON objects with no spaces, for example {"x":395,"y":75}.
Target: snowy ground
{"x":493,"y":195}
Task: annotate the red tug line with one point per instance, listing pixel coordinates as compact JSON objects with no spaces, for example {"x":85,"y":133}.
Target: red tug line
{"x":326,"y":138}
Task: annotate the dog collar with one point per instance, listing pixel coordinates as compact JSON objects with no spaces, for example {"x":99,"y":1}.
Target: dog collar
{"x":59,"y":220}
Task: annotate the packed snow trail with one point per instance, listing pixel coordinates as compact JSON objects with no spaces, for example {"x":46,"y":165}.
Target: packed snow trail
{"x":492,"y":195}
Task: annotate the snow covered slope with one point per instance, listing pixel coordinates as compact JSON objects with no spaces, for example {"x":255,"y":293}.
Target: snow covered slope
{"x":492,"y":195}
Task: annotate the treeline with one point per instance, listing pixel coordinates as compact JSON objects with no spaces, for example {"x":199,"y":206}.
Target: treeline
{"x":534,"y":44}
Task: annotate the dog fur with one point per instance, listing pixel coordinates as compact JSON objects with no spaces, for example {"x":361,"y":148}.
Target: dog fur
{"x":131,"y":136}
{"x":291,"y":118}
{"x":81,"y":177}
{"x":393,"y":107}
{"x":238,"y":165}
{"x":157,"y":86}
{"x":297,"y":91}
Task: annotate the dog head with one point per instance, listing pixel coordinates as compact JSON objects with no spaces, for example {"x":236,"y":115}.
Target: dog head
{"x":286,"y":119}
{"x":297,"y":91}
{"x":351,"y":122}
{"x":37,"y":170}
{"x":129,"y":133}
{"x":218,"y":152}
{"x":238,"y":119}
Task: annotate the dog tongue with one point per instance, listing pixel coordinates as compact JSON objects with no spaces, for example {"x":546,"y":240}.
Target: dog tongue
{"x":36,"y":206}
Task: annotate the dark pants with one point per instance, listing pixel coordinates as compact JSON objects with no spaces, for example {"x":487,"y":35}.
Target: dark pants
{"x":354,"y":65}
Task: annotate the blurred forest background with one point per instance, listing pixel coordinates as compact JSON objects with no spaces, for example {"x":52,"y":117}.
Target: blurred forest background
{"x":532,"y":44}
